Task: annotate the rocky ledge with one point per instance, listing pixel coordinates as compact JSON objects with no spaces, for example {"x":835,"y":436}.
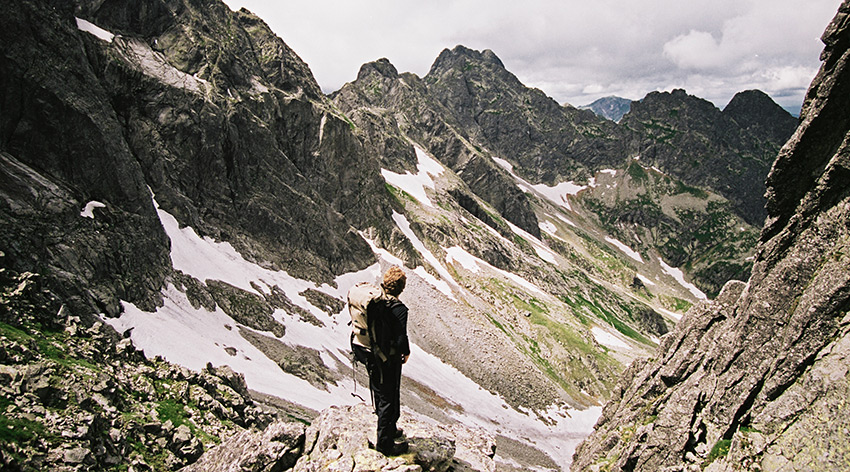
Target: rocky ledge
{"x":342,"y":439}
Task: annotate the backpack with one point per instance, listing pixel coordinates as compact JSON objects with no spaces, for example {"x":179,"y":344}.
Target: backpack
{"x":370,"y":312}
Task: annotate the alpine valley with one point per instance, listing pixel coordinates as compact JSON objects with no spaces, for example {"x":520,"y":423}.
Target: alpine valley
{"x":184,"y":210}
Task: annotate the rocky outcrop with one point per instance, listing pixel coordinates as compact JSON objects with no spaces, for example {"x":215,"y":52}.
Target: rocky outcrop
{"x":77,"y":397}
{"x":758,"y":379}
{"x":276,"y":448}
{"x":342,"y":439}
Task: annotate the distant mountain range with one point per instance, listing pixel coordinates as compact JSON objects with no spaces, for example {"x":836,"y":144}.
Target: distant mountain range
{"x":612,"y":108}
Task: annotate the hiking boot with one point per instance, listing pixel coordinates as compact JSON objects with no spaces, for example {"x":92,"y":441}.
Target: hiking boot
{"x":399,"y":434}
{"x":394,"y":449}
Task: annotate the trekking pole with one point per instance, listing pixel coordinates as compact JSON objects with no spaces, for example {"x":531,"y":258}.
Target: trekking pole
{"x":354,"y":378}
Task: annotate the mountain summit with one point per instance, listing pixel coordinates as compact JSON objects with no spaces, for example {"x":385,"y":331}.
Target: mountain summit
{"x":612,"y":108}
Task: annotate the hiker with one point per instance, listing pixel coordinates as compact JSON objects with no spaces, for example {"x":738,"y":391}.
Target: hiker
{"x":384,"y":360}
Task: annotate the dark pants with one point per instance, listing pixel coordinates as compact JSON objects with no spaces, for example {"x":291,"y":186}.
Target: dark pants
{"x":385,"y":384}
{"x":385,"y":380}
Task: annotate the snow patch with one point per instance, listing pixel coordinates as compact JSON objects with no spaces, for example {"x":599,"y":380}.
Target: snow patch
{"x":88,"y":211}
{"x":625,"y":249}
{"x":505,"y":165}
{"x":194,"y":337}
{"x":644,"y":279}
{"x":566,"y":220}
{"x":549,"y":227}
{"x":480,"y":408}
{"x":680,"y":277}
{"x":383,"y":253}
{"x":559,"y":193}
{"x":322,"y":128}
{"x":539,"y":248}
{"x":672,"y":314}
{"x":607,"y":339}
{"x":95,"y":30}
{"x":415,"y":184}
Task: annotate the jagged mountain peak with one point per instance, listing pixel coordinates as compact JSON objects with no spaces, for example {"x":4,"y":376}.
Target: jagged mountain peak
{"x":449,"y":58}
{"x":690,"y":138}
{"x":382,"y":67}
{"x":759,"y":114}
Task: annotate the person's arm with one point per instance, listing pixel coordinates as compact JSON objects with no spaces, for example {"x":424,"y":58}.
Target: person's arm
{"x":400,"y":313}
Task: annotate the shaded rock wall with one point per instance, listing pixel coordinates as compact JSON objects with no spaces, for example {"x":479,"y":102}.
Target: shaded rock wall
{"x":198,"y":105}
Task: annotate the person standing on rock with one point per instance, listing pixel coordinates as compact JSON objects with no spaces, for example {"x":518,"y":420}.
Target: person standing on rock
{"x":384,"y":359}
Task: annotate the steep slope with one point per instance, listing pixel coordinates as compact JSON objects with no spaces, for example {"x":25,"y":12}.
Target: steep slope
{"x":172,"y":172}
{"x":548,"y":143}
{"x":758,"y":379}
{"x":220,"y":145}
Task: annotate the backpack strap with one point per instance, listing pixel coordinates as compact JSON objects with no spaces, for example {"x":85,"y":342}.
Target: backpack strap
{"x":377,"y":352}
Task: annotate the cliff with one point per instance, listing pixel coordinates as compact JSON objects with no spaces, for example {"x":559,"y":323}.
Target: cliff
{"x":758,"y":379}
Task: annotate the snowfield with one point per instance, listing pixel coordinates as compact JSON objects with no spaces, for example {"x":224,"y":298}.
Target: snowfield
{"x":680,"y":277}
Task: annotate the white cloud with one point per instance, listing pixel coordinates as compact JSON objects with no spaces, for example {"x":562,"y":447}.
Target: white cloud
{"x":695,"y":50}
{"x":573,"y":50}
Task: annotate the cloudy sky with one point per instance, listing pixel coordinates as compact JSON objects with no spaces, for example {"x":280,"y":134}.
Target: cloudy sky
{"x":574,"y":50}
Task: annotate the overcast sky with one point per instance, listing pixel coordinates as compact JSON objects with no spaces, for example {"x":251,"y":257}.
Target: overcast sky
{"x":574,"y":50}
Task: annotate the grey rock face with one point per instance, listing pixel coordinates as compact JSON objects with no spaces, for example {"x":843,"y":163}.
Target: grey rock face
{"x":761,"y":116}
{"x":276,"y":448}
{"x":342,"y":438}
{"x":753,"y":380}
{"x":410,"y":111}
{"x":203,"y":107}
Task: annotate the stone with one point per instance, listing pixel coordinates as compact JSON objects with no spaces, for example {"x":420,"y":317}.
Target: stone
{"x":275,"y":448}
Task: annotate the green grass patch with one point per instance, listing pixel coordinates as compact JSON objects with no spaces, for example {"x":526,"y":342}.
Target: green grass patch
{"x":720,"y":449}
{"x":19,"y":430}
{"x":170,"y":409}
{"x":637,"y":172}
{"x":579,"y":304}
{"x":683,"y":188}
{"x":497,"y":324}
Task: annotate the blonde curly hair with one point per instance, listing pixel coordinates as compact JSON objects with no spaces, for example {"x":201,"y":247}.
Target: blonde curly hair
{"x":394,"y":281}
